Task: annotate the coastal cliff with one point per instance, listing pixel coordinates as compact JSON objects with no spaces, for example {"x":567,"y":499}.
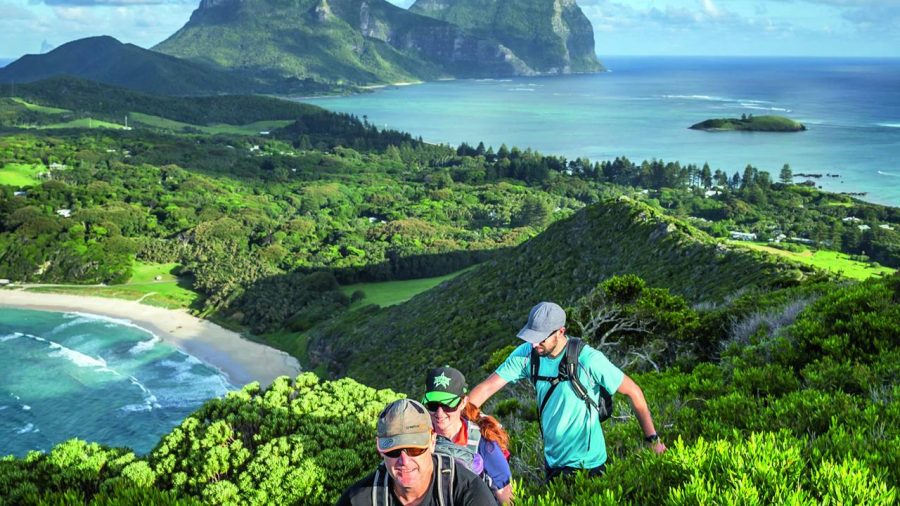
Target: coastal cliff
{"x":550,"y":36}
{"x":336,"y":41}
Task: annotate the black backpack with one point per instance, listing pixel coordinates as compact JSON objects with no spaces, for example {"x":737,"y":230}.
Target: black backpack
{"x":568,"y":369}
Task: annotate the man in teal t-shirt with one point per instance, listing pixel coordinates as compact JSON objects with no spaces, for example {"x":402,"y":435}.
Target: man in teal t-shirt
{"x":573,"y":438}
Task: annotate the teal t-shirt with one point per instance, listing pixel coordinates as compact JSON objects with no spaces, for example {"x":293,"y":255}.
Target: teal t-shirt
{"x":572,"y":433}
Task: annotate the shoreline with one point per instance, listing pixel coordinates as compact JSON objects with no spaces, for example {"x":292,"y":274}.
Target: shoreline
{"x":240,"y":360}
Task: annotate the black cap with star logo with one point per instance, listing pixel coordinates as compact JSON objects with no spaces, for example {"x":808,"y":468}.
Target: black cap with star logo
{"x":444,"y":384}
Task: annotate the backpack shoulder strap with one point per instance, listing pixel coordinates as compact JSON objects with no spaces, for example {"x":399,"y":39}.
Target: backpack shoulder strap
{"x":445,"y":468}
{"x":473,"y":435}
{"x":381,"y":495}
{"x":573,"y":352}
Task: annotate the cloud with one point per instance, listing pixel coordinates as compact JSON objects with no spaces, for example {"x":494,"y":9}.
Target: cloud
{"x":112,"y":3}
{"x":13,"y":12}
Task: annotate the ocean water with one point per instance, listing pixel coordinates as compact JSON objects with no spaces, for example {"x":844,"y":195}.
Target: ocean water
{"x":643,"y":107}
{"x":65,"y":375}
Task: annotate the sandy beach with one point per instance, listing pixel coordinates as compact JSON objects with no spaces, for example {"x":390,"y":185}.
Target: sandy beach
{"x":241,"y":360}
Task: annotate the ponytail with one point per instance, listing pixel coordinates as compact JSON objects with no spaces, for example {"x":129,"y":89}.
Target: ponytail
{"x":490,"y":427}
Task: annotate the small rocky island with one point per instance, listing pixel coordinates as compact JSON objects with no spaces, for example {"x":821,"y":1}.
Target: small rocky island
{"x":750,"y":123}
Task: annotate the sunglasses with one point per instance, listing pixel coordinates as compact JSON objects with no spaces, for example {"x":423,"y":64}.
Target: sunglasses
{"x":412,"y":452}
{"x":447,"y":406}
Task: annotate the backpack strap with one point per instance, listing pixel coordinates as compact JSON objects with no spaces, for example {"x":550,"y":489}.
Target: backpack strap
{"x":446,"y":475}
{"x":381,"y":496}
{"x":573,"y":352}
{"x":473,"y":435}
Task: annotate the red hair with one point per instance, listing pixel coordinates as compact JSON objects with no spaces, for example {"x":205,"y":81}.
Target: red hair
{"x":490,"y":427}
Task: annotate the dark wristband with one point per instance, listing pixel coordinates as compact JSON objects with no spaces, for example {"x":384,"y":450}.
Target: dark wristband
{"x":652,"y":438}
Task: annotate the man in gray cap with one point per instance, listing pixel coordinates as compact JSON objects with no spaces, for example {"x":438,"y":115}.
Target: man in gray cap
{"x":570,"y":420}
{"x":410,"y":472}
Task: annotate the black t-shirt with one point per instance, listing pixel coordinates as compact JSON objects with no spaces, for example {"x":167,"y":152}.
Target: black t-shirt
{"x":468,"y":490}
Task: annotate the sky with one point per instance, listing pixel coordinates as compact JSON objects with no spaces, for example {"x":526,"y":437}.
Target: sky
{"x":622,"y":27}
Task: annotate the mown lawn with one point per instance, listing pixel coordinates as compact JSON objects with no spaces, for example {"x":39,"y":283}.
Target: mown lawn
{"x":21,"y":174}
{"x":170,"y":292}
{"x":83,"y":123}
{"x":833,"y":261}
{"x":389,"y":293}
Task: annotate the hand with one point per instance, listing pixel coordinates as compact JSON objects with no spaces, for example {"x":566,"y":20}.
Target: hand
{"x":658,"y":447}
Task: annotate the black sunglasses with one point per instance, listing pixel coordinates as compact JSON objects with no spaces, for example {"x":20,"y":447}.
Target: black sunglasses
{"x":447,"y":406}
{"x":412,"y":452}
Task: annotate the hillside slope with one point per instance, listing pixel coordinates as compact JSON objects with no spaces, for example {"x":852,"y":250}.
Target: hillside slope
{"x":464,"y":320}
{"x":106,"y":60}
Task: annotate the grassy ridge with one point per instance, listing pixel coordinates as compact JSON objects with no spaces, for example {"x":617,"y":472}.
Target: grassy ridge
{"x":832,"y":261}
{"x":21,"y":174}
{"x":481,"y":310}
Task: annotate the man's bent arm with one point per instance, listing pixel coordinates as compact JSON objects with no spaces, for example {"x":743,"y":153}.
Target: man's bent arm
{"x":484,"y":390}
{"x":639,"y":405}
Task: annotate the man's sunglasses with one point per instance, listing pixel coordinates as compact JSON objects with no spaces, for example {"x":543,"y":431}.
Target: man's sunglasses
{"x":447,"y":406}
{"x":412,"y":452}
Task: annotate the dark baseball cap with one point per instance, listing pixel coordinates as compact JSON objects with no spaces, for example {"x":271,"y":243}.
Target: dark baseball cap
{"x":444,"y":384}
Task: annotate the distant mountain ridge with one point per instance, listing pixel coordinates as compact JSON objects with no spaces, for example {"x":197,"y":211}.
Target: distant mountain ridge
{"x":106,"y":60}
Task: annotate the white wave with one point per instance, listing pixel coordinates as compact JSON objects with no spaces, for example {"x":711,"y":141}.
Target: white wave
{"x":134,"y":408}
{"x":26,"y":407}
{"x":26,"y":429}
{"x":109,"y":319}
{"x":76,"y":357}
{"x":3,"y":407}
{"x":761,"y":108}
{"x":521,"y":89}
{"x":10,"y":337}
{"x":78,"y":320}
{"x":144,"y":346}
{"x":708,"y":98}
{"x":150,"y":400}
{"x":889,"y":125}
{"x":891,"y":174}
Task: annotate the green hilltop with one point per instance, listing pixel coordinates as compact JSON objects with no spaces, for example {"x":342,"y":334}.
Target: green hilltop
{"x":751,"y":124}
{"x":105,"y":59}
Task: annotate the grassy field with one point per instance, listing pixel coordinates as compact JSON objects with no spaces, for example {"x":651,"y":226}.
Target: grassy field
{"x":248,"y":129}
{"x":169,"y":292}
{"x":39,"y":108}
{"x":833,"y":261}
{"x":84,"y":123}
{"x":21,"y":174}
{"x":389,"y":293}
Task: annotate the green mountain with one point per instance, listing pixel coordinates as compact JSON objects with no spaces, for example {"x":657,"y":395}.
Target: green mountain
{"x":551,"y":36}
{"x":338,"y":41}
{"x":463,"y":320}
{"x":106,"y":60}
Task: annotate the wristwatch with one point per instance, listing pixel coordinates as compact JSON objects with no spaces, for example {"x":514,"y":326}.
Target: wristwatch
{"x":652,"y":438}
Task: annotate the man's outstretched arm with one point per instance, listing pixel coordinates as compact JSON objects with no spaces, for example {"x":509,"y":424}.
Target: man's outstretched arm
{"x":635,"y":396}
{"x":484,"y":390}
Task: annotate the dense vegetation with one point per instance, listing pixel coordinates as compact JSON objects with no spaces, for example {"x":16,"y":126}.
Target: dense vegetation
{"x":799,"y":407}
{"x":751,"y":124}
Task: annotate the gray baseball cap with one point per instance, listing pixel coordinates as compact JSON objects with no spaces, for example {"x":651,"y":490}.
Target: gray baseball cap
{"x":404,"y":423}
{"x":544,"y":318}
